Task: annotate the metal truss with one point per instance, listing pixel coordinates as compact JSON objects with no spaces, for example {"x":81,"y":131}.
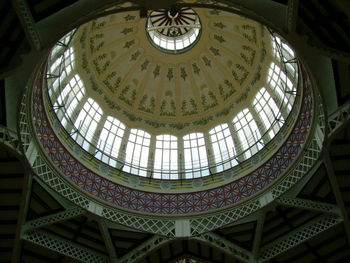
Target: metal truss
{"x":308,"y":204}
{"x":336,"y":122}
{"x":64,"y":246}
{"x":302,"y":166}
{"x":27,"y":21}
{"x":207,"y":223}
{"x":52,"y":219}
{"x":292,"y":14}
{"x":294,"y":191}
{"x":10,"y":139}
{"x":108,"y":241}
{"x":25,"y":133}
{"x":225,"y":246}
{"x":298,"y":236}
{"x":143,"y":223}
{"x":338,"y":118}
{"x":258,"y":234}
{"x":309,"y":157}
{"x":164,"y":227}
{"x":337,"y":194}
{"x":140,"y":251}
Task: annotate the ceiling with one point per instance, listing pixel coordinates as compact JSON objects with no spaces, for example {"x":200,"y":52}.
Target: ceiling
{"x":130,"y":77}
{"x":311,"y":224}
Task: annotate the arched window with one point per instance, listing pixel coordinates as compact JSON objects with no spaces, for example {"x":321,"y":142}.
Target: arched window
{"x":223,"y":147}
{"x":62,"y":43}
{"x":195,"y":156}
{"x":68,"y":99}
{"x":137,"y":150}
{"x":278,"y":83}
{"x":281,"y":48}
{"x":86,"y":123}
{"x":268,"y":111}
{"x":64,"y":62}
{"x":248,"y":133}
{"x":60,"y":68}
{"x":165,"y":159}
{"x":110,"y":140}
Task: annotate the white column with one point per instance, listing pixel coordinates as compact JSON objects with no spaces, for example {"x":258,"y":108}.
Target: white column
{"x":152,"y":152}
{"x":181,"y":157}
{"x":122,"y":150}
{"x":210,"y":153}
{"x":237,"y":142}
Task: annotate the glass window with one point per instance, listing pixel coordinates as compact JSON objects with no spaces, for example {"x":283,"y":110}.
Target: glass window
{"x":223,"y":147}
{"x":283,"y":87}
{"x":280,"y":46}
{"x":61,"y":68}
{"x":110,"y":141}
{"x":63,"y":62}
{"x":62,"y":43}
{"x":248,"y":133}
{"x":268,"y":112}
{"x":137,"y":150}
{"x":165,"y":160}
{"x":195,"y":156}
{"x":68,"y":99}
{"x":283,"y":53}
{"x":86,"y":123}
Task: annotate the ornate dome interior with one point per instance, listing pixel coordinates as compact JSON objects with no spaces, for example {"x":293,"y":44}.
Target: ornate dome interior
{"x":196,"y":110}
{"x":68,"y":195}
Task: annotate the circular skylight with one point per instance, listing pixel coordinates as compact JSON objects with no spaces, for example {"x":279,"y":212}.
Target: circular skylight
{"x":173,"y":30}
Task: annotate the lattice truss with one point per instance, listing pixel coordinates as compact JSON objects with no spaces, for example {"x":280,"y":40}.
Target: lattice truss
{"x":200,"y":227}
{"x":10,"y":139}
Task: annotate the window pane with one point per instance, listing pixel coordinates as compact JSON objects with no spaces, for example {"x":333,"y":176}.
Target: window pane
{"x":137,"y":151}
{"x":86,"y":122}
{"x":223,"y":148}
{"x":248,"y":132}
{"x":110,"y":140}
{"x":195,"y":155}
{"x":166,"y":160}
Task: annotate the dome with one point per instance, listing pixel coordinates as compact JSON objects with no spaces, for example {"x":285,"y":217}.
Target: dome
{"x":173,"y":111}
{"x":93,"y":131}
{"x":66,"y":197}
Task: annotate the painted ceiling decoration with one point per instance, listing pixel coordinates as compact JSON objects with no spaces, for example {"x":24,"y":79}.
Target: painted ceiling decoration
{"x":146,"y":87}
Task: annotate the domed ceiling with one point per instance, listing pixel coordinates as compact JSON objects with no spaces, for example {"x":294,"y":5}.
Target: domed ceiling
{"x":215,"y":81}
{"x":141,"y":85}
